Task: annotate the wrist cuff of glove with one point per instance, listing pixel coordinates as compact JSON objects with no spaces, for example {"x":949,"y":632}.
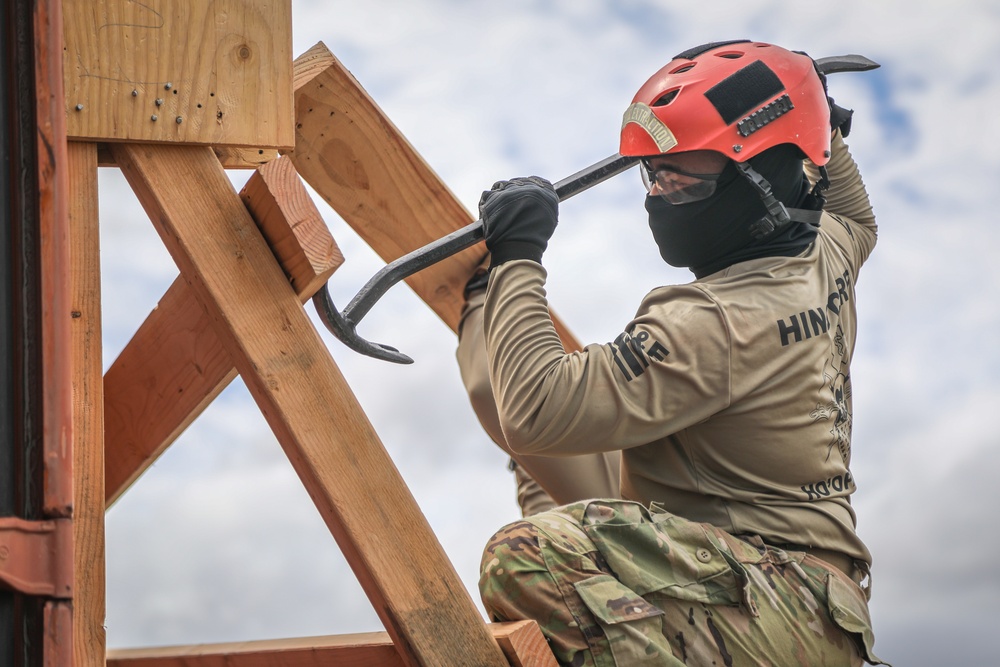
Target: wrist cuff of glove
{"x":505,"y":252}
{"x":840,"y":118}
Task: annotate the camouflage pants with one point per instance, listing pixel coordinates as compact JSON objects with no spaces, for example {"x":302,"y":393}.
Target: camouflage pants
{"x":611,"y":582}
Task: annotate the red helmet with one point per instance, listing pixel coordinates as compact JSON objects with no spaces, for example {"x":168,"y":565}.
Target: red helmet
{"x":736,"y":98}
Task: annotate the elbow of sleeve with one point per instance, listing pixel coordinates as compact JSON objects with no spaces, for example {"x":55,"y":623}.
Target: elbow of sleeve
{"x":518,"y":439}
{"x":480,"y":392}
{"x":477,"y":386}
{"x":522,"y":436}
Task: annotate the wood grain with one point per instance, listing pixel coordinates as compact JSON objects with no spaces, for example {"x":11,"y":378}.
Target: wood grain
{"x":292,"y":226}
{"x":89,"y":605}
{"x":221,"y":66}
{"x":231,"y":157}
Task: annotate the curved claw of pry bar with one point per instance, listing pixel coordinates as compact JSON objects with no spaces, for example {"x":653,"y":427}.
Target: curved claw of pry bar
{"x":346,"y":332}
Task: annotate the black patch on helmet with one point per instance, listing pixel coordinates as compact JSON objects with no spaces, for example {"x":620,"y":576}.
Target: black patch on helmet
{"x":744,"y":91}
{"x":698,"y":50}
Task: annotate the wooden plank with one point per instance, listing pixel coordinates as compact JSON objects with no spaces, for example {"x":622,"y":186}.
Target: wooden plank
{"x":152,"y":397}
{"x":353,"y":156}
{"x":292,"y":226}
{"x":308,"y":404}
{"x":231,"y":157}
{"x":53,"y":231}
{"x":223,"y":67}
{"x":88,"y":408}
{"x":370,"y":649}
{"x":170,"y":371}
{"x":522,"y":643}
{"x":234,"y":157}
{"x":55,"y":460}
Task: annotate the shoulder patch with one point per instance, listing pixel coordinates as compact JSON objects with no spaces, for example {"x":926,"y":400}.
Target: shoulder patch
{"x":633,"y":353}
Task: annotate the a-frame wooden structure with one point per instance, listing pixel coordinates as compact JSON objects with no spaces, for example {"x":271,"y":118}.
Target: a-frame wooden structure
{"x":173,"y":92}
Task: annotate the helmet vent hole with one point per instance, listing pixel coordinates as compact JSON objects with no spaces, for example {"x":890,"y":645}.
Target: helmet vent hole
{"x":731,"y":55}
{"x":666,"y":98}
{"x":683,"y":68}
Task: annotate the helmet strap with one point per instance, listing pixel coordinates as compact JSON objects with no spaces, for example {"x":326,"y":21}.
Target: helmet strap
{"x":816,"y":199}
{"x":777,"y":215}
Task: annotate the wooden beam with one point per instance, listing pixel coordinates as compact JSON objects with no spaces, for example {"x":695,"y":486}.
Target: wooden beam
{"x":152,"y":397}
{"x":357,"y":650}
{"x":53,"y":225}
{"x":307,"y":402}
{"x":231,"y":157}
{"x":132,"y":69}
{"x":51,"y":643}
{"x":88,"y":408}
{"x":292,"y":226}
{"x":166,"y":376}
{"x":521,"y":641}
{"x":353,"y":156}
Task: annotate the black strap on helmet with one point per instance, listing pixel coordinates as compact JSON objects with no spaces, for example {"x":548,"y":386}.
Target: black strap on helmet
{"x":777,"y":214}
{"x":816,"y":199}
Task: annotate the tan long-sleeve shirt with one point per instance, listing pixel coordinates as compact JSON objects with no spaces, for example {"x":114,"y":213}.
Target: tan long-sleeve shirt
{"x":730,"y":397}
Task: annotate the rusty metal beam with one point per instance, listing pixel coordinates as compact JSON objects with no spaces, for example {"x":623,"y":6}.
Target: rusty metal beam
{"x":21,"y":620}
{"x":36,"y":557}
{"x":35,"y":408}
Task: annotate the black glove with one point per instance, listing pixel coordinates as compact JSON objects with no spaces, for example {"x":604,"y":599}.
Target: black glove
{"x":839,"y":116}
{"x":519,"y":217}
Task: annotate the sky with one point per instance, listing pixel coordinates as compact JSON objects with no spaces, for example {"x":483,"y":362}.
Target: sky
{"x":219,"y":541}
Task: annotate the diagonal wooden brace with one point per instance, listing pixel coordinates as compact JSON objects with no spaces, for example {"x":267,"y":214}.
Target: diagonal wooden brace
{"x":175,"y":365}
{"x":36,"y":557}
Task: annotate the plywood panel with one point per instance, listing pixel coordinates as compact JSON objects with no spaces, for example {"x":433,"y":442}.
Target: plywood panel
{"x":310,"y":407}
{"x":192,"y":71}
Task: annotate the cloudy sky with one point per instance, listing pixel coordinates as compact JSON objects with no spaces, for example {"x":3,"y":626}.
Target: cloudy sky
{"x":219,"y":541}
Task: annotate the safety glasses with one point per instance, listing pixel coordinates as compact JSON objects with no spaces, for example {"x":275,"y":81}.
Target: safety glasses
{"x":676,"y":186}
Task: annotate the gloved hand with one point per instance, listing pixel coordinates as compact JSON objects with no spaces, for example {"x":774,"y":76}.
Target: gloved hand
{"x":840,"y":118}
{"x":519,"y":217}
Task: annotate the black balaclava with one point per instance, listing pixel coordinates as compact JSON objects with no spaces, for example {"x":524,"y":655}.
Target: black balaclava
{"x":709,"y":235}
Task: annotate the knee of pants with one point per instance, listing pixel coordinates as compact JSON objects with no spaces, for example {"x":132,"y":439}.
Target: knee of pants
{"x":512,"y":572}
{"x":513,"y":548}
{"x":536,"y":558}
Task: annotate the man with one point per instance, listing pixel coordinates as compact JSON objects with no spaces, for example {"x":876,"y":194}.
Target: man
{"x":729,"y":397}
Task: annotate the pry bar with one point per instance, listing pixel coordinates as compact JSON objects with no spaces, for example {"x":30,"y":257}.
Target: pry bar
{"x":344,"y":325}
